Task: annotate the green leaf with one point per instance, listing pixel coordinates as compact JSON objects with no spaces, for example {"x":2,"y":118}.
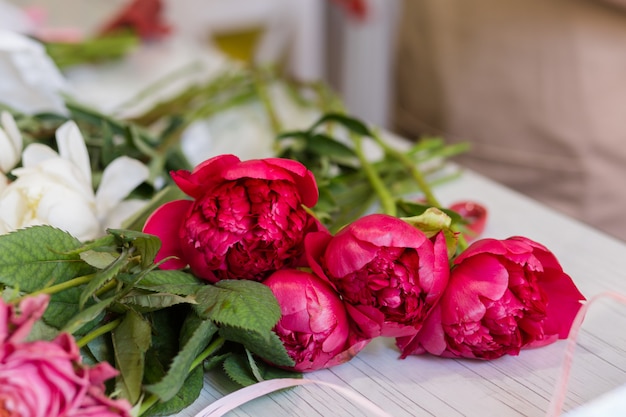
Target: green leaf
{"x":239,"y":303}
{"x":238,"y":369}
{"x":103,"y":276}
{"x":188,"y":393}
{"x":98,"y":259}
{"x":131,"y":340}
{"x":33,"y":258}
{"x":150,"y":301}
{"x":146,"y":245}
{"x":266,"y":345}
{"x":87,"y":315}
{"x":326,"y":145}
{"x":193,"y":343}
{"x":175,"y":282}
{"x":349,"y":123}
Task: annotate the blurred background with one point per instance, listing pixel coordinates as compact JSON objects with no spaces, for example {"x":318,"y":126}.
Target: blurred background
{"x":536,"y":87}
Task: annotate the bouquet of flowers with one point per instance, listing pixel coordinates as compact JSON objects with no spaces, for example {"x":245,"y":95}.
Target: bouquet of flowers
{"x":126,"y":271}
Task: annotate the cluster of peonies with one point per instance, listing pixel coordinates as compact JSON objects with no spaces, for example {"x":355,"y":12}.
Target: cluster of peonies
{"x":47,"y":378}
{"x":56,"y":188}
{"x":378,"y":276}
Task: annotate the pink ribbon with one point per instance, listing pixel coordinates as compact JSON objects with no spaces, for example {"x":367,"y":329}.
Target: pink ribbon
{"x":242,"y":396}
{"x":560,"y":392}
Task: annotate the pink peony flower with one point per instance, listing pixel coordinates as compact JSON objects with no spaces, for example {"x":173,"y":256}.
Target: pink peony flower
{"x":503,"y":295}
{"x":246,"y":219}
{"x":314,"y":326}
{"x":389,"y":272}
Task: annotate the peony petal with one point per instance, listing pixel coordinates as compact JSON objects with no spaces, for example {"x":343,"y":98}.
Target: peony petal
{"x":387,"y":231}
{"x":11,"y":129}
{"x":344,"y":254}
{"x":119,"y":178}
{"x":193,"y":183}
{"x":72,"y":147}
{"x":478,"y":277}
{"x":165,"y":222}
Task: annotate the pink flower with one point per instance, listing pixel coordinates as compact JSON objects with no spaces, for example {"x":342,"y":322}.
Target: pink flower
{"x":503,"y":295}
{"x":47,"y":378}
{"x":246,"y":219}
{"x":16,"y":322}
{"x":389,"y":272}
{"x":96,"y":403}
{"x":314,"y":326}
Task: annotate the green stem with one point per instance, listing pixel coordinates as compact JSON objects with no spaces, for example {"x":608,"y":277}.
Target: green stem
{"x":386,"y":199}
{"x":261,"y":89}
{"x":210,"y":349}
{"x":413,"y":169}
{"x":98,"y":332}
{"x":53,"y":289}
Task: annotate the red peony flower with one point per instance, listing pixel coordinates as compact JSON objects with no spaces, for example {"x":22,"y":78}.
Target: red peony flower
{"x":389,"y":272}
{"x":503,"y":295}
{"x":246,"y":221}
{"x":314,"y":326}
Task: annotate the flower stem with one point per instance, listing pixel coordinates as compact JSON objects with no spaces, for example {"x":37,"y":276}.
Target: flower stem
{"x":53,"y":289}
{"x":386,"y":200}
{"x":413,"y":169}
{"x":98,"y":332}
{"x":261,"y":89}
{"x":210,"y":349}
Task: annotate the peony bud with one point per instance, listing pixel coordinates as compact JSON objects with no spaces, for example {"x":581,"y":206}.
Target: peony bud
{"x":314,"y":326}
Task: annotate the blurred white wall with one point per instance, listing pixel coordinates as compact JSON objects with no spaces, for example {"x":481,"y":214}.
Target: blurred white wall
{"x":361,"y":55}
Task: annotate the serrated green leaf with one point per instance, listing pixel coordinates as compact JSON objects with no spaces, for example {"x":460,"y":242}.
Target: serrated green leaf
{"x":146,"y":245}
{"x":131,"y":339}
{"x":98,"y":259}
{"x":188,"y":393}
{"x":87,"y":315}
{"x":237,"y":368}
{"x":266,"y":345}
{"x":150,"y":301}
{"x":192,"y":345}
{"x":103,"y":276}
{"x":239,"y":303}
{"x":34,"y":257}
{"x":175,"y":282}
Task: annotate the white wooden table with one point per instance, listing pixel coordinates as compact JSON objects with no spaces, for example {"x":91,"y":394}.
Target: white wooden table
{"x":509,"y":386}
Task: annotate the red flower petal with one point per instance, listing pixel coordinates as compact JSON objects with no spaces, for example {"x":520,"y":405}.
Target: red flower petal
{"x":165,"y":222}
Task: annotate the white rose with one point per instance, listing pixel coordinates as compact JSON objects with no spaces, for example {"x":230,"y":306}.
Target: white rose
{"x":55,"y":188}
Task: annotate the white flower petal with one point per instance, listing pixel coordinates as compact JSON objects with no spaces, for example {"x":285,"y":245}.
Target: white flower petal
{"x":36,"y":153}
{"x":119,"y":178}
{"x":72,"y":147}
{"x":123,"y":211}
{"x":10,"y":127}
{"x":8,"y":156}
